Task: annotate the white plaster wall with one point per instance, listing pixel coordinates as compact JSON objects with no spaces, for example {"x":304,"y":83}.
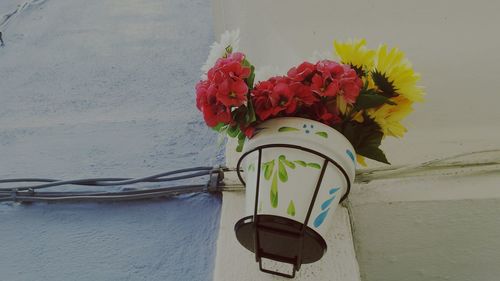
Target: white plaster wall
{"x":439,"y":226}
{"x":428,"y":240}
{"x":452,"y":43}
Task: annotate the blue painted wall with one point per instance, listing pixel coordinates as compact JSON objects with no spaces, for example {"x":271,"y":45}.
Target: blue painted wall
{"x":105,"y":88}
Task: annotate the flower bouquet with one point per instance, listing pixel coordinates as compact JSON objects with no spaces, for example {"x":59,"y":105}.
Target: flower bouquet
{"x":301,"y":134}
{"x":364,"y":95}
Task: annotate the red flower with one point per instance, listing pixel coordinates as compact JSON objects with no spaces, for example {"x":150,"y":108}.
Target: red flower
{"x":228,"y":75}
{"x":272,"y":97}
{"x":329,"y":69}
{"x":318,"y":91}
{"x":248,"y":131}
{"x":284,"y":96}
{"x":263,"y":101}
{"x":231,"y":65}
{"x":201,"y":94}
{"x":324,"y":87}
{"x":321,"y":113}
{"x":232,"y":92}
{"x":333,"y":78}
{"x":303,"y":94}
{"x":350,"y":85}
{"x":302,"y":72}
{"x":224,"y":89}
{"x":214,"y":112}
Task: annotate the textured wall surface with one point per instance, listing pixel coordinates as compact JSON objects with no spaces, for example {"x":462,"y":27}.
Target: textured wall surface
{"x":428,"y":240}
{"x":440,"y":38}
{"x":105,"y":88}
{"x":438,"y":226}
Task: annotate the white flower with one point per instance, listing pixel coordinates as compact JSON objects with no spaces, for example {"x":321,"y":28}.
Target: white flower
{"x":229,"y":40}
{"x":266,"y":72}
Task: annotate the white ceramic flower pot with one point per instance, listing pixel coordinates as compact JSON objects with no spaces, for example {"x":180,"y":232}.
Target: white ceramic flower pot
{"x":306,"y":168}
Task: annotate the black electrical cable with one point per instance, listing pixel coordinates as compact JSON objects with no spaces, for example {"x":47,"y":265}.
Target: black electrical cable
{"x":107,"y":196}
{"x":30,"y":193}
{"x":108,"y":181}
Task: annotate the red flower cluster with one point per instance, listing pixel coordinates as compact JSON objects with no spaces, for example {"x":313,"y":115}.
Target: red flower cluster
{"x":309,"y":90}
{"x":280,"y":95}
{"x":333,"y":79}
{"x":224,"y":88}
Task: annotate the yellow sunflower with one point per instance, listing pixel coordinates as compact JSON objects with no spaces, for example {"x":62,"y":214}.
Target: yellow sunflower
{"x":356,"y":54}
{"x":389,"y":116}
{"x":394,"y":75}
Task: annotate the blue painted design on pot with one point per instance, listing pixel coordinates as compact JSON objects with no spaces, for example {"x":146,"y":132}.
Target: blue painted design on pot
{"x":318,"y":221}
{"x":351,"y":155}
{"x":327,"y":203}
{"x":333,"y":190}
{"x":325,"y":207}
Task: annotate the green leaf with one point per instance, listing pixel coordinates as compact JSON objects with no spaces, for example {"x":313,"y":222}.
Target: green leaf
{"x":322,"y":134}
{"x":289,"y":164}
{"x":250,"y":116}
{"x":375,"y":139}
{"x":369,"y":147}
{"x":282,"y":172}
{"x":370,"y":99}
{"x":274,"y":191}
{"x":239,"y":148}
{"x":374,"y":153}
{"x":233,"y":131}
{"x":268,"y":169}
{"x":365,"y":138}
{"x":314,"y":165}
{"x":287,"y":129}
{"x":251,"y":78}
{"x":291,"y":208}
{"x":301,"y":163}
{"x":246,"y":63}
{"x":219,"y":127}
{"x":241,"y":142}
